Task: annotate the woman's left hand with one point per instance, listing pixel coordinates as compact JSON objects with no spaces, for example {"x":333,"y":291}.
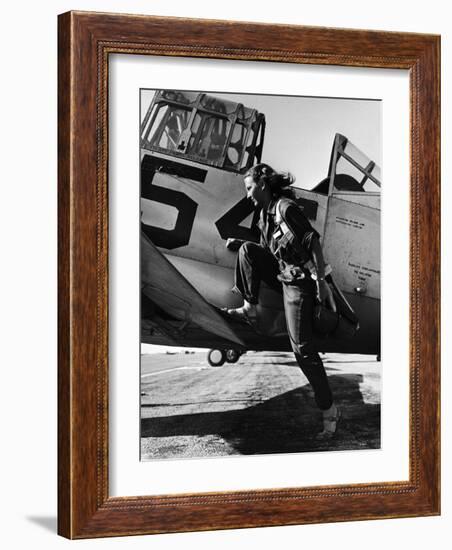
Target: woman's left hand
{"x":325,"y":295}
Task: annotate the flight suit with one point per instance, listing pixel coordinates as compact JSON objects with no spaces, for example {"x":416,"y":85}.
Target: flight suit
{"x":279,"y":259}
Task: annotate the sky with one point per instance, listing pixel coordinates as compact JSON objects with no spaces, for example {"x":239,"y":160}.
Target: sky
{"x":300,"y":130}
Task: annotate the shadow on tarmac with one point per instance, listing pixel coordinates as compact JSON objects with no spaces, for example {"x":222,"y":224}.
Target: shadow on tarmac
{"x":286,"y":423}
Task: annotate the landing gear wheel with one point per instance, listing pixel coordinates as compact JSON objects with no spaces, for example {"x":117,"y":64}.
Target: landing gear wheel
{"x":216,"y":357}
{"x":232,"y":355}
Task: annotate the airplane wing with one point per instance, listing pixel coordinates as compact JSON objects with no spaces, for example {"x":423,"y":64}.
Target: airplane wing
{"x":175,"y":313}
{"x":180,"y":310}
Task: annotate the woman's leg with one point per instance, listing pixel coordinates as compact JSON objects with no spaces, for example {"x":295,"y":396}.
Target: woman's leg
{"x":298,"y":306}
{"x":255,"y":264}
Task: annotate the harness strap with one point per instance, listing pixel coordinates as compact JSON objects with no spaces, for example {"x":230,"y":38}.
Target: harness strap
{"x":280,"y":221}
{"x":287,"y":233}
{"x":288,"y":236}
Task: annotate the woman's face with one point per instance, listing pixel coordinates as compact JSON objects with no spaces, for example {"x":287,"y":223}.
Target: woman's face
{"x":254,"y":191}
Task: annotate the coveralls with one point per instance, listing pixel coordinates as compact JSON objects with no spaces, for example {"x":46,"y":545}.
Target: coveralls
{"x":285,"y":246}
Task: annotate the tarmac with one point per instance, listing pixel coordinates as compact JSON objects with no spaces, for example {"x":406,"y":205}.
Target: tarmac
{"x":263,"y":404}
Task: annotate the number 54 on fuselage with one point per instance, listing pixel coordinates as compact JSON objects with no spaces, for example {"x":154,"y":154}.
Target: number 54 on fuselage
{"x":195,"y":149}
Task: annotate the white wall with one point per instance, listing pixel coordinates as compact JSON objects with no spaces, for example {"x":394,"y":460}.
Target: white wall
{"x":28,"y":269}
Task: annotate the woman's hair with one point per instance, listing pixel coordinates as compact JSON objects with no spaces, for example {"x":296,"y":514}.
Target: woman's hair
{"x":276,"y":181}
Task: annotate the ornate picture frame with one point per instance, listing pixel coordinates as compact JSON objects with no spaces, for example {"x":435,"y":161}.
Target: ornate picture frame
{"x":86,"y":40}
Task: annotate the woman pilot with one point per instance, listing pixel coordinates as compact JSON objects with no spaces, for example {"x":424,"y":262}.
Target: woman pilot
{"x":287,"y":243}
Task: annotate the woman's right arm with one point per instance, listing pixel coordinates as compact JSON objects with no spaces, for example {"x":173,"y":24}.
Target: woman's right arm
{"x":324,"y":293}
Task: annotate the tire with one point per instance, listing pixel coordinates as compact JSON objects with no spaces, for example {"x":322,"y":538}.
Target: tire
{"x":232,"y":355}
{"x":216,"y":357}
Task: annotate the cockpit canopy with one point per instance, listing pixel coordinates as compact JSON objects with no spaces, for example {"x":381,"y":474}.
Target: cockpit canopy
{"x":203,"y":128}
{"x":350,"y":170}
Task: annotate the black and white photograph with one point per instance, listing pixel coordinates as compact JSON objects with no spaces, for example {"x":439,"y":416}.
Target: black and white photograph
{"x":260,"y":274}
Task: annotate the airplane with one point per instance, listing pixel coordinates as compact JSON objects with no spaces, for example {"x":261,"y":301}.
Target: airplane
{"x":195,"y":150}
